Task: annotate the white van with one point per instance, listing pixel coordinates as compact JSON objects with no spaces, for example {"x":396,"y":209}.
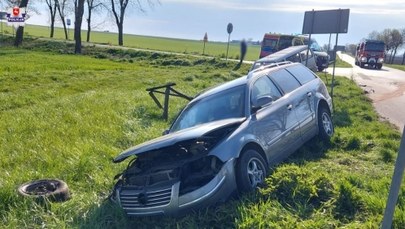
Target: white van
{"x":293,"y":53}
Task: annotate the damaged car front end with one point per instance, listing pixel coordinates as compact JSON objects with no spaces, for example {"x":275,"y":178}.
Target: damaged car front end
{"x":175,"y":173}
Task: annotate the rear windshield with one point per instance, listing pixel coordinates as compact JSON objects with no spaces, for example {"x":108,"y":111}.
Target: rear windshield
{"x":301,"y":73}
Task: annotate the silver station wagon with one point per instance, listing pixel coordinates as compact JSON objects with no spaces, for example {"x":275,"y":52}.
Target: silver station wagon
{"x":224,"y":141}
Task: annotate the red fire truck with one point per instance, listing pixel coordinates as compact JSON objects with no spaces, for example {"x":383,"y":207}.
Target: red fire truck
{"x":370,"y":53}
{"x":275,"y":42}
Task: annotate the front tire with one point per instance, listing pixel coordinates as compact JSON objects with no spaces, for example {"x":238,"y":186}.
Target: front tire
{"x":379,"y":66}
{"x":251,"y":171}
{"x":325,"y":124}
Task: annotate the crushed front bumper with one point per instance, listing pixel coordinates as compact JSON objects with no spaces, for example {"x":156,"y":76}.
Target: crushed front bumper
{"x":167,"y":200}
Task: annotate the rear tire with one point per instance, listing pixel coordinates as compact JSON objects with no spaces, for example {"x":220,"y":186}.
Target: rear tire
{"x":379,"y":66}
{"x":325,"y":124}
{"x":361,"y":65}
{"x":251,"y":171}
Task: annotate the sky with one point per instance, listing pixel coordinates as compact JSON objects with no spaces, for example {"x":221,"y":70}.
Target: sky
{"x":191,"y":19}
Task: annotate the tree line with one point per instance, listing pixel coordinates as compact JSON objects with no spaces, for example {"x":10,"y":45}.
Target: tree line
{"x":59,"y":9}
{"x":394,"y":40}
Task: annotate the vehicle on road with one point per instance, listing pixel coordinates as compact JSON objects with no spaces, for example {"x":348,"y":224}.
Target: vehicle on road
{"x":321,"y":57}
{"x":370,"y":53}
{"x":275,"y":42}
{"x":224,"y":141}
{"x":299,"y":54}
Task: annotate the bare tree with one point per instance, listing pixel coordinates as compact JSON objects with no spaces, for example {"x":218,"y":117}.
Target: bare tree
{"x":79,"y":10}
{"x":351,"y":49}
{"x":62,"y":6}
{"x":373,"y":35}
{"x":118,"y":8}
{"x":397,"y":41}
{"x":91,"y":6}
{"x":403,"y":38}
{"x":385,"y":36}
{"x":52,"y":11}
{"x":19,"y":35}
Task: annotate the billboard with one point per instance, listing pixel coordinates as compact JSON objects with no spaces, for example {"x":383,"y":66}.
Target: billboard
{"x":326,"y":21}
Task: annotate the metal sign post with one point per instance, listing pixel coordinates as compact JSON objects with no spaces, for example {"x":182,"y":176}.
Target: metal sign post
{"x":229,"y":29}
{"x":395,"y":185}
{"x":326,"y":22}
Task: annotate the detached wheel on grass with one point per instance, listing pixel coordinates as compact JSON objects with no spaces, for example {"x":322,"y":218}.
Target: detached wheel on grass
{"x":325,"y":124}
{"x":52,"y":189}
{"x":251,"y":171}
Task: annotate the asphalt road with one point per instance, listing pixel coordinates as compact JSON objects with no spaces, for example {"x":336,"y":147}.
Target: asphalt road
{"x":385,"y":87}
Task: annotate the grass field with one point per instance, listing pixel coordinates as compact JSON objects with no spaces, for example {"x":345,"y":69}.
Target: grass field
{"x":341,"y":64}
{"x":396,"y":66}
{"x":217,"y":49}
{"x":66,"y":116}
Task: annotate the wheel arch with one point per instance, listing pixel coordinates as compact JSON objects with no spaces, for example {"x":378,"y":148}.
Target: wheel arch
{"x":258,"y":148}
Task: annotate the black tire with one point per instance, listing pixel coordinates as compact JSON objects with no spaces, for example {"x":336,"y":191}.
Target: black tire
{"x":320,"y":69}
{"x":325,"y":124}
{"x":51,"y":189}
{"x":361,"y":65}
{"x":379,"y":66}
{"x":251,"y":171}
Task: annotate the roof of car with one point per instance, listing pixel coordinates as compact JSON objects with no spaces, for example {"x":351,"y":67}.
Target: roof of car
{"x":282,"y":54}
{"x":244,"y":79}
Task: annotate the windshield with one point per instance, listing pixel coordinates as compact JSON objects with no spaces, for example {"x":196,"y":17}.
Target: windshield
{"x":374,"y":47}
{"x":269,"y":44}
{"x":314,"y":44}
{"x":222,"y":105}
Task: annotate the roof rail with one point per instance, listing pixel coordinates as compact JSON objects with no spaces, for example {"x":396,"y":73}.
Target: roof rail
{"x":272,"y":65}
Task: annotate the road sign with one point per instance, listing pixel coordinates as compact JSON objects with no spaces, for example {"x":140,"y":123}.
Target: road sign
{"x":326,"y":21}
{"x":229,"y":28}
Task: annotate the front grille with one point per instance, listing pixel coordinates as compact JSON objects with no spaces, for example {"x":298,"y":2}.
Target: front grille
{"x":135,"y":198}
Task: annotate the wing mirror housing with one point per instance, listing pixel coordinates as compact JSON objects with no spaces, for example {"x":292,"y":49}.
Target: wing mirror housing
{"x":261,"y":102}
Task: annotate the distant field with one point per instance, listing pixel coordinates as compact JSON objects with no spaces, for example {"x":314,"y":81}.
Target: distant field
{"x":147,"y":42}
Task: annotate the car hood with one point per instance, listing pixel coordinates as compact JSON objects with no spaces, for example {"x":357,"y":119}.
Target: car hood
{"x":179,"y":136}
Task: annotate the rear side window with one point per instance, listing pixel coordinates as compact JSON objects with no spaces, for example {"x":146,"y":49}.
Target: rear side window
{"x":285,"y":80}
{"x":302,"y":74}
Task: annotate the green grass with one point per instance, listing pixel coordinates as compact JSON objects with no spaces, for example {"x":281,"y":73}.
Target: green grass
{"x":217,"y":49}
{"x":66,"y":116}
{"x":341,"y":64}
{"x":396,"y":66}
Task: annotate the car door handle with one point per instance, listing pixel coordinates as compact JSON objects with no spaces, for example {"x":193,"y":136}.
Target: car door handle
{"x":289,"y":107}
{"x":309,"y":94}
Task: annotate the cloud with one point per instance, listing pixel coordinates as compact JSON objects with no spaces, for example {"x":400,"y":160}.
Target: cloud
{"x":373,"y":7}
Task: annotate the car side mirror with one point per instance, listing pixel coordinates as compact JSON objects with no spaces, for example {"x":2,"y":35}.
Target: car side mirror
{"x":261,"y":102}
{"x":165,"y":132}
